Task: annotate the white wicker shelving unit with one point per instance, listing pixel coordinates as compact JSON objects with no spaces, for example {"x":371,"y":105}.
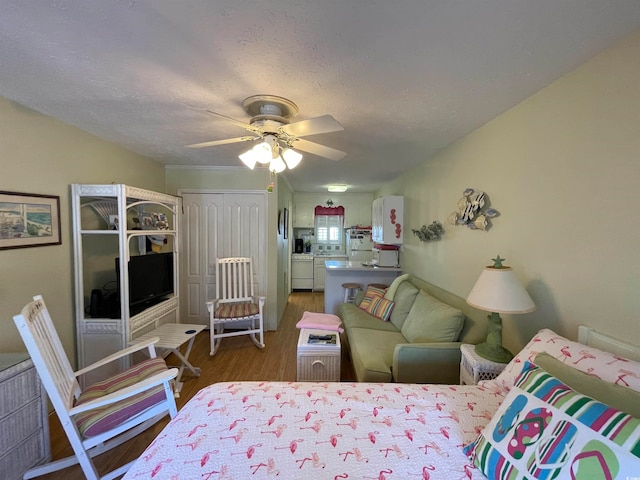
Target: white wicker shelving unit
{"x":97,"y":245}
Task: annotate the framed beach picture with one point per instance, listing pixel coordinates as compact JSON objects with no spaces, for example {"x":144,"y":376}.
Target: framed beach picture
{"x":29,"y":220}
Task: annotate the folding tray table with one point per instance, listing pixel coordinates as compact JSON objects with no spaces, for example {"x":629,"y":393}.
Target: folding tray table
{"x":172,"y":336}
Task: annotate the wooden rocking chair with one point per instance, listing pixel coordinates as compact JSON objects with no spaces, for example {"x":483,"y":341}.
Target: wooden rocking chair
{"x":105,"y":414}
{"x":235,"y":302}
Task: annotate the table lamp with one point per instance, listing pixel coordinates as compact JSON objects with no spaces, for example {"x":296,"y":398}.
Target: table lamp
{"x":498,"y":291}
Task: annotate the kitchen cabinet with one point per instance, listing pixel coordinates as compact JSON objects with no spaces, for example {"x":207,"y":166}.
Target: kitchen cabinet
{"x":357,"y":207}
{"x":387,"y":224}
{"x":303,"y":214}
{"x":319,"y":270}
{"x":301,"y":272}
{"x":357,"y":212}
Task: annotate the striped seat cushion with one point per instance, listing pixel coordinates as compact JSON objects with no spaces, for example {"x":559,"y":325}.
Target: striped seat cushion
{"x":100,"y":420}
{"x":236,"y":310}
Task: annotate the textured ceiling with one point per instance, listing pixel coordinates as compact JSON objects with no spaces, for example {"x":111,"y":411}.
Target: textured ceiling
{"x":404,"y":78}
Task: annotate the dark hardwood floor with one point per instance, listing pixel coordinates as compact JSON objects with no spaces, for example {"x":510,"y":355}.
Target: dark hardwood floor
{"x":237,"y":360}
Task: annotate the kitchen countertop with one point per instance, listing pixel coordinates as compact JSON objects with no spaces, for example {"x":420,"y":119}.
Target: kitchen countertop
{"x":357,"y":266}
{"x":339,"y":272}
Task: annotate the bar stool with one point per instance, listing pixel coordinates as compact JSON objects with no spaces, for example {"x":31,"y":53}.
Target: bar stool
{"x":378,"y":285}
{"x":350,"y":291}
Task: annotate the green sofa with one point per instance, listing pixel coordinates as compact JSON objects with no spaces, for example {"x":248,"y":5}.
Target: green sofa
{"x":421,"y":341}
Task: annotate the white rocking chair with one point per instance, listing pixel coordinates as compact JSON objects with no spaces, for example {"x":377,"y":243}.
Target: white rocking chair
{"x":105,"y":414}
{"x":235,"y":302}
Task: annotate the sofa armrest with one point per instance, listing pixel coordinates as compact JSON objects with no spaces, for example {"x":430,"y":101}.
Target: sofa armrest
{"x":427,"y":363}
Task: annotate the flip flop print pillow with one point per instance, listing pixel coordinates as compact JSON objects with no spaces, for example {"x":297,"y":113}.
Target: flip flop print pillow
{"x":545,"y":430}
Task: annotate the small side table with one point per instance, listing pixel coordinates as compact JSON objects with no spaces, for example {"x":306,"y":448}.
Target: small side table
{"x":318,"y":362}
{"x":474,"y":368}
{"x":172,"y":336}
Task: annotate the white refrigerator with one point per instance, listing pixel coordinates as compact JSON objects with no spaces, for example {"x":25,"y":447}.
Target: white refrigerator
{"x":359,"y":245}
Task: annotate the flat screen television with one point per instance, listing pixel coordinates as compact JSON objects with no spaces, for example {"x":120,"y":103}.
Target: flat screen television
{"x":150,"y":279}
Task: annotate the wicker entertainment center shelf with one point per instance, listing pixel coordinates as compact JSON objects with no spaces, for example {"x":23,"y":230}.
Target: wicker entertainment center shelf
{"x":111,"y":223}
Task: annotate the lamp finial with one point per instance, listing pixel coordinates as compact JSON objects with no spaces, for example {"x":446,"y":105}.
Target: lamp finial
{"x":497,"y":262}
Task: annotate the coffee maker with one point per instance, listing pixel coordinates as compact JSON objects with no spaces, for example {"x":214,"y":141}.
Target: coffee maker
{"x":299,"y":245}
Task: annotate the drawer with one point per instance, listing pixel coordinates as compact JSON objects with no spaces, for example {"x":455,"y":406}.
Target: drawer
{"x":23,"y":456}
{"x":20,"y":425}
{"x":318,"y":368}
{"x":18,"y":390}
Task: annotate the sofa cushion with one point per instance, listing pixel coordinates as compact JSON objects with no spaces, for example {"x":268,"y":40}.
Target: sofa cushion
{"x":352,"y":317}
{"x":390,"y":293}
{"x":368,"y":297}
{"x":372,"y":353}
{"x":380,"y":308}
{"x":430,"y":320}
{"x":405,"y":296}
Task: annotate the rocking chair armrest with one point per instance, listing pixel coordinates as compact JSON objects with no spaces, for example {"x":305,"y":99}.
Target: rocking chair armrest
{"x":119,"y":354}
{"x":119,"y":395}
{"x":259,"y":300}
{"x":212,"y":304}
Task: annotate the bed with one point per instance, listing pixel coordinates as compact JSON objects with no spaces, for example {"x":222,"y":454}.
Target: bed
{"x":367,"y":431}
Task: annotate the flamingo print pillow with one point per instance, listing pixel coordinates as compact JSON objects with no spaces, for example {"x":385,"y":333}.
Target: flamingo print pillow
{"x":606,"y":366}
{"x":546,"y":430}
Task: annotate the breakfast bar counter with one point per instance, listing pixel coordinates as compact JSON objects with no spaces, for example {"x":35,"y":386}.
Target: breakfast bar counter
{"x":339,"y":272}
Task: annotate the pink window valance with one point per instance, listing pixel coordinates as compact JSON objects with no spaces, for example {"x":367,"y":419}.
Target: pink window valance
{"x":320,"y":210}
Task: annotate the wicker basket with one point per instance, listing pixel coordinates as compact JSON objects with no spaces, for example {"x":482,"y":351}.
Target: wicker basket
{"x":318,"y":362}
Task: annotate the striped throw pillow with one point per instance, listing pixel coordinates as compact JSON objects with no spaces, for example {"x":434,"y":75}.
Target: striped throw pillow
{"x":380,"y":308}
{"x":368,"y":296}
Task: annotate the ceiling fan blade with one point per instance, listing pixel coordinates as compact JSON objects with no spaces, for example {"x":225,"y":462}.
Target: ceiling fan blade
{"x":229,"y":119}
{"x":238,"y":123}
{"x":313,"y":126}
{"x":222,"y":142}
{"x":317,"y":149}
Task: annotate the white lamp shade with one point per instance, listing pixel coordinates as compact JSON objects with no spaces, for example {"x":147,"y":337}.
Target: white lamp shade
{"x":277,"y":165}
{"x":498,"y":290}
{"x":263,"y":152}
{"x":291,"y":157}
{"x":248,"y":158}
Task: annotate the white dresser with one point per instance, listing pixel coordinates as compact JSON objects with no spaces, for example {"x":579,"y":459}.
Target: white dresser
{"x":24,"y":420}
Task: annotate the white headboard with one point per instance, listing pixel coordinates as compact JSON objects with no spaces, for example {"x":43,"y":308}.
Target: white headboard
{"x":593,"y":338}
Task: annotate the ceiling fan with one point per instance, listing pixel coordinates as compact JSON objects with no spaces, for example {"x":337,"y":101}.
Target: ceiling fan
{"x":270,"y":123}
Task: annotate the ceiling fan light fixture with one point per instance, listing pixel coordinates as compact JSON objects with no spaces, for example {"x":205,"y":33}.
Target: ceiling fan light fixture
{"x":248,"y":158}
{"x":337,"y":188}
{"x":291,"y":157}
{"x":277,"y":165}
{"x":263,"y":152}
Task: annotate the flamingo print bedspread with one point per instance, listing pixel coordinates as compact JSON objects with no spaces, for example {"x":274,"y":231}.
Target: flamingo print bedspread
{"x":321,"y":431}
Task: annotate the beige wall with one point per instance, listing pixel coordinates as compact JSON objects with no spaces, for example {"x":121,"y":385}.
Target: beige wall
{"x":39,"y":154}
{"x":562,"y":168}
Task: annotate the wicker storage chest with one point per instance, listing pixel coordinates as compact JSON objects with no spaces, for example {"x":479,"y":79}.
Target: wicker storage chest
{"x":318,"y":362}
{"x":24,"y":421}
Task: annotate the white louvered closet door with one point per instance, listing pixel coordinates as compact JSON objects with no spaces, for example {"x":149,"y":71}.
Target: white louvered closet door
{"x":219,"y":225}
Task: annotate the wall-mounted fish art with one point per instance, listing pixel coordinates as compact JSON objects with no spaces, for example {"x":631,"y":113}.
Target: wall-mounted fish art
{"x":473,"y":211}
